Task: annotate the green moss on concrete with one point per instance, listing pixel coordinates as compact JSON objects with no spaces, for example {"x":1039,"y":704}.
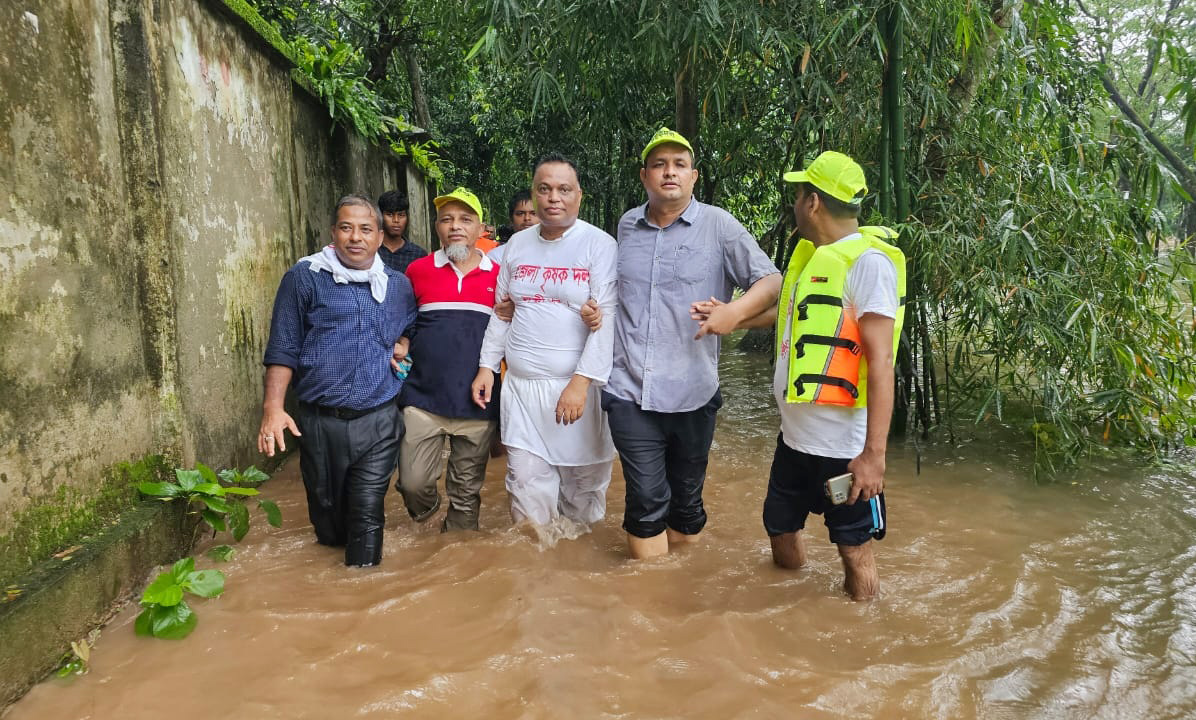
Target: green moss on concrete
{"x":268,"y":32}
{"x":70,"y":515}
{"x":63,"y":598}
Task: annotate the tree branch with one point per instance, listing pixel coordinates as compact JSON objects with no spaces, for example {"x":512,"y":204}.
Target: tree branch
{"x":1156,"y":48}
{"x":1186,"y":174}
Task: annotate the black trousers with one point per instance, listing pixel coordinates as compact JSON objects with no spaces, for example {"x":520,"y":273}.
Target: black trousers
{"x":346,"y":467}
{"x":664,"y":458}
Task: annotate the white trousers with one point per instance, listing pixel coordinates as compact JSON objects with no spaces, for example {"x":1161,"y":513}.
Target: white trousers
{"x":540,"y":491}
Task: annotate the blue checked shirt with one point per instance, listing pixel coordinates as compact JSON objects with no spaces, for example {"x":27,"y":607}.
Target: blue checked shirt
{"x":337,"y":338}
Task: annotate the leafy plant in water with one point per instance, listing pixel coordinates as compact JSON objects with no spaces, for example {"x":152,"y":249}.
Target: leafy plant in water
{"x":76,"y":660}
{"x":166,"y":614}
{"x":219,"y":506}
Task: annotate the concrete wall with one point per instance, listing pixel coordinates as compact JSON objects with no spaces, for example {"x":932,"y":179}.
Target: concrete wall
{"x":159,"y":171}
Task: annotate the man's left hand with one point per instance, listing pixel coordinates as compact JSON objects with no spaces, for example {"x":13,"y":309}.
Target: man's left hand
{"x":869,"y":470}
{"x":572,"y":404}
{"x":721,"y":319}
{"x":400,"y":353}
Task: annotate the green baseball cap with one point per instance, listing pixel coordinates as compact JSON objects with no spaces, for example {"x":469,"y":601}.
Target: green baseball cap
{"x":662,"y":136}
{"x":461,"y":195}
{"x":836,"y":175}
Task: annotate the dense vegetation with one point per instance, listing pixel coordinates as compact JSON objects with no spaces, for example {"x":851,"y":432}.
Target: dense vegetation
{"x":1038,"y":158}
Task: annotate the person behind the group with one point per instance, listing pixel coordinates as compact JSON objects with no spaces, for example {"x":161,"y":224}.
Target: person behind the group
{"x":522,"y":215}
{"x":842,"y":300}
{"x":454,"y":289}
{"x":397,"y":251}
{"x":337,"y":318}
{"x":559,"y":448}
{"x":663,"y":391}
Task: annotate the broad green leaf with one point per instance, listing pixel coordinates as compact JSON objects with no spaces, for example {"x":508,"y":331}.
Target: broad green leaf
{"x":143,"y":625}
{"x":173,"y":623}
{"x":206,"y":473}
{"x":228,"y":475}
{"x":273,"y":514}
{"x":158,"y":489}
{"x":254,"y":476}
{"x":238,"y":518}
{"x":214,"y":520}
{"x":240,"y":491}
{"x":220,"y":505}
{"x":205,"y":583}
{"x":188,"y":479}
{"x":162,"y":591}
{"x":209,"y":489}
{"x":222,"y":553}
{"x":181,"y":568}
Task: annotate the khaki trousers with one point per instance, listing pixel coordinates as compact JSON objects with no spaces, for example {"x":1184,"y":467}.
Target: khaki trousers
{"x":420,"y":466}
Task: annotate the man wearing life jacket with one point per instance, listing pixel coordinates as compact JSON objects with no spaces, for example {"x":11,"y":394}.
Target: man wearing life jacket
{"x":837,"y":326}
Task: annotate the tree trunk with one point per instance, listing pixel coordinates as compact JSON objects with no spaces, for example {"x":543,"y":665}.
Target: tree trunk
{"x":966,"y":84}
{"x":420,"y":101}
{"x":686,"y":116}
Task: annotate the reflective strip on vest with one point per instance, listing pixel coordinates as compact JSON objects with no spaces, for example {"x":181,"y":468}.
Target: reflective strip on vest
{"x":826,"y":363}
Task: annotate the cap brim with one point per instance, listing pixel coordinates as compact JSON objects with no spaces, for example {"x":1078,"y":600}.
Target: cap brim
{"x":664,"y":141}
{"x":796,"y":176}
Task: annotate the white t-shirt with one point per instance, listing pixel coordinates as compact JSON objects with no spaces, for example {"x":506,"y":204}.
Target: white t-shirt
{"x":831,"y":430}
{"x":546,"y":342}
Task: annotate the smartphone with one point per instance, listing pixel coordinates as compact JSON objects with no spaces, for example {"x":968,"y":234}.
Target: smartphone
{"x":838,"y":488}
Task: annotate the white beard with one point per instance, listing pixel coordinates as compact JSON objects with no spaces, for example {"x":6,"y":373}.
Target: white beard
{"x":457,"y":253}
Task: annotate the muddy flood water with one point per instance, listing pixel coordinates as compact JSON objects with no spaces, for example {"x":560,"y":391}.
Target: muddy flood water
{"x":1000,"y":599}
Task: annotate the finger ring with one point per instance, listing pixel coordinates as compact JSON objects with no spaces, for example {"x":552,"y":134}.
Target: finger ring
{"x":268,"y":437}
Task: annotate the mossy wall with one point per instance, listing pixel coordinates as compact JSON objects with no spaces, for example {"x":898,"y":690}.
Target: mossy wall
{"x":159,"y":171}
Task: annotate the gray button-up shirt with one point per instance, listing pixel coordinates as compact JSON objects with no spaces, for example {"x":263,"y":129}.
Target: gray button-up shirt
{"x":703,"y":253}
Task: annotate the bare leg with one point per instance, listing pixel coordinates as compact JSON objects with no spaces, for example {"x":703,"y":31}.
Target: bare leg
{"x":788,"y":550}
{"x":859,"y":564}
{"x":680,"y":538}
{"x":641,"y":548}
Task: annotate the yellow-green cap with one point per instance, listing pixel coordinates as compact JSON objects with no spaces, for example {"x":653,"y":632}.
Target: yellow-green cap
{"x":836,"y":175}
{"x":461,"y":195}
{"x":662,"y":136}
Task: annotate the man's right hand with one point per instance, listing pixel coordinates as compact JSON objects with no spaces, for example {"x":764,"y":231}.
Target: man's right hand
{"x":275,"y":421}
{"x":483,"y":385}
{"x":504,"y":309}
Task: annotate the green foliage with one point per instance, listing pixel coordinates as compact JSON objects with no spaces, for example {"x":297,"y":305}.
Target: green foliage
{"x":219,"y":506}
{"x":165,"y":613}
{"x":221,"y":553}
{"x":1047,"y":286}
{"x":76,"y":661}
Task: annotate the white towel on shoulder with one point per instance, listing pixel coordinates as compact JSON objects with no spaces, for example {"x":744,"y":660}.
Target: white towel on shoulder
{"x":326,"y":259}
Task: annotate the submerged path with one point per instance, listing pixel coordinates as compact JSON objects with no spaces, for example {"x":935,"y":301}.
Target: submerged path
{"x":1000,"y":599}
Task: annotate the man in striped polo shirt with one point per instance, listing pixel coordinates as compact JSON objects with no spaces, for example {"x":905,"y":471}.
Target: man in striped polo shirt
{"x":454,"y":290}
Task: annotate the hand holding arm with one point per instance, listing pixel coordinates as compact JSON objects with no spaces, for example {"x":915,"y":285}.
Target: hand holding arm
{"x":401,"y":349}
{"x":721,"y":319}
{"x":591,"y":315}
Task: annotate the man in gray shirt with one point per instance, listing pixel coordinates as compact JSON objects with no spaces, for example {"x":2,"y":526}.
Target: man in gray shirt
{"x":663,"y":391}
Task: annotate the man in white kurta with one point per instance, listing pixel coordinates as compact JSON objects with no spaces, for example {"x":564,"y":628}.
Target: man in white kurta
{"x":559,"y":447}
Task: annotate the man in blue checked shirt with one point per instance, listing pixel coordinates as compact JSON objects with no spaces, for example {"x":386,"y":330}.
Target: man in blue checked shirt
{"x":337,"y":319}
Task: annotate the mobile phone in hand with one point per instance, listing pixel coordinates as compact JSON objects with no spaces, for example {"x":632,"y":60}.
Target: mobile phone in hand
{"x":838,"y":488}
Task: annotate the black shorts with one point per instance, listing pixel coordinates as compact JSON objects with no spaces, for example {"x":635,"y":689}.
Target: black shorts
{"x":795,"y":489}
